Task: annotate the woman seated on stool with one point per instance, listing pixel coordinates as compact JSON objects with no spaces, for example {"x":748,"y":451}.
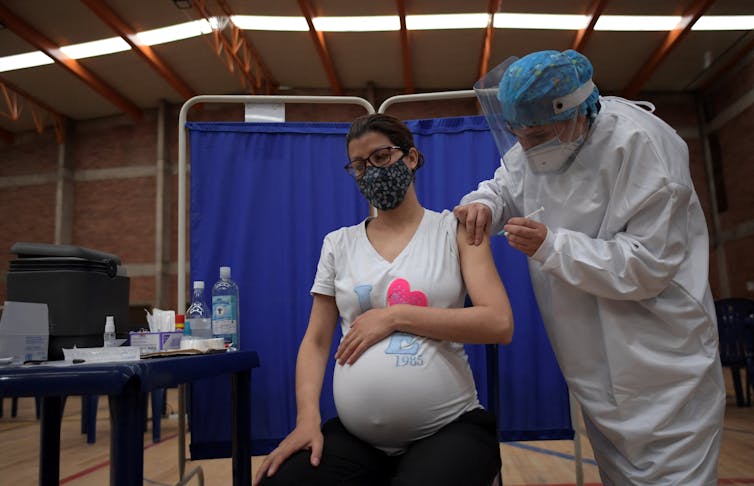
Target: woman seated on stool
{"x":407,"y":404}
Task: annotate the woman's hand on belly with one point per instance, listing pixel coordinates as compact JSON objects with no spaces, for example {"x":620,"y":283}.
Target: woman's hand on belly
{"x":306,"y":435}
{"x":366,"y":330}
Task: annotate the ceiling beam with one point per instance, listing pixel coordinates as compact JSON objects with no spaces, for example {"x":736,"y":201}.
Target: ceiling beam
{"x":128,"y":33}
{"x":57,"y":118}
{"x":231,"y":50}
{"x":31,"y":98}
{"x":489,"y":32}
{"x":22,"y":29}
{"x":408,"y":70}
{"x":321,"y":46}
{"x":271,"y":83}
{"x":583,"y":35}
{"x":674,"y":37}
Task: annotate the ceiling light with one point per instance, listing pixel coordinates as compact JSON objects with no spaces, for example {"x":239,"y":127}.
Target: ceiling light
{"x":540,"y":21}
{"x":176,"y":32}
{"x":268,"y":22}
{"x":374,"y":23}
{"x":636,"y":23}
{"x":725,"y":22}
{"x":446,"y":21}
{"x":95,"y":48}
{"x":182,"y":4}
{"x":25,"y":60}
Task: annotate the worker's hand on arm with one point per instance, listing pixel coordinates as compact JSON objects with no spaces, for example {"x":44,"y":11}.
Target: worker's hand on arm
{"x":306,"y":435}
{"x":525,"y":235}
{"x":366,"y":330}
{"x":477,"y":218}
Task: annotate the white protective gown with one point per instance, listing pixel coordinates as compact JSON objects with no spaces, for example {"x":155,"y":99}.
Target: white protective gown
{"x":621,"y":282}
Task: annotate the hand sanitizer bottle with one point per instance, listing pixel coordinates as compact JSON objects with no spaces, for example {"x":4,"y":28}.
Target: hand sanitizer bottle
{"x":108,"y":337}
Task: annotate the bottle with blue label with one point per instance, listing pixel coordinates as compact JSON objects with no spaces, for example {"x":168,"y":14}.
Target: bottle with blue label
{"x":225,"y":322}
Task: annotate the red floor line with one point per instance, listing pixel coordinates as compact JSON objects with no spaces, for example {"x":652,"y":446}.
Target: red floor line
{"x":91,"y":469}
{"x":557,"y":484}
{"x":719,"y":481}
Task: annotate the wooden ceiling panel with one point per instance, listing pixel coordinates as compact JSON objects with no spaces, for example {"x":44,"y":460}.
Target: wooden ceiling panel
{"x":133,"y":78}
{"x":445,"y":60}
{"x":378,"y":58}
{"x":519,"y":43}
{"x":11,"y":44}
{"x":195,"y":61}
{"x":441,"y":60}
{"x":62,"y":90}
{"x":732,"y":7}
{"x":349,"y":7}
{"x":645,"y":7}
{"x":616,"y":56}
{"x":64,"y":22}
{"x":688,"y":61}
{"x":422,"y":7}
{"x":149,"y":14}
{"x":546,"y":6}
{"x":291,"y":58}
{"x":265,"y":7}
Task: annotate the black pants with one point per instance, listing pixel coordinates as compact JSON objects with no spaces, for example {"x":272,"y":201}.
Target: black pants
{"x":465,"y":452}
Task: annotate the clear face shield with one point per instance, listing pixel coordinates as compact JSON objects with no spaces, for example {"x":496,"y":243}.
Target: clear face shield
{"x":486,"y":92}
{"x":548,"y":147}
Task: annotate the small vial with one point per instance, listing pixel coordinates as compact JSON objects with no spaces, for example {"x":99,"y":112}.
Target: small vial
{"x":108,"y":338}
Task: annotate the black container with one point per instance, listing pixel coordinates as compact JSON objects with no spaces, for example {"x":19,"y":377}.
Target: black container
{"x":80,"y":287}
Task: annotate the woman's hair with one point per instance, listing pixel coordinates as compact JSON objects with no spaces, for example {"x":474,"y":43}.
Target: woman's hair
{"x":393,"y":128}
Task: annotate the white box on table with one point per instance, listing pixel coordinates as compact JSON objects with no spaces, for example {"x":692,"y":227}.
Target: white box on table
{"x":152,"y":342}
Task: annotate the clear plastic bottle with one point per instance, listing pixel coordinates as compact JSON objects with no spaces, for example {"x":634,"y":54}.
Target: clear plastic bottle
{"x":108,"y":337}
{"x":225,"y":321}
{"x":199,"y":314}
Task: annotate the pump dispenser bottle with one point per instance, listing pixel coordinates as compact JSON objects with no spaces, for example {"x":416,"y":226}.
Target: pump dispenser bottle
{"x":108,"y":338}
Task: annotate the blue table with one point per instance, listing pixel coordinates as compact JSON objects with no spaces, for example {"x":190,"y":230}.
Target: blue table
{"x":126,"y":385}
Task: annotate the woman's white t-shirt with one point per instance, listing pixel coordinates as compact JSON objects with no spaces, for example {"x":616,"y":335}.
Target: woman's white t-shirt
{"x":405,"y":387}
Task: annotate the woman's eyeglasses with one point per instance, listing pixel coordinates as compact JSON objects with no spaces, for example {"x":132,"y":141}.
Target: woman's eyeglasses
{"x":378,"y":158}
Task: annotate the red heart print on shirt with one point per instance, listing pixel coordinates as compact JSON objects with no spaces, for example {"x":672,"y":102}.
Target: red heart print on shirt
{"x":399,"y":292}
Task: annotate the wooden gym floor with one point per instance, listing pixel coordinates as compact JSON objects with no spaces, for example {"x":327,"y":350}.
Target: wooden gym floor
{"x":524,"y":463}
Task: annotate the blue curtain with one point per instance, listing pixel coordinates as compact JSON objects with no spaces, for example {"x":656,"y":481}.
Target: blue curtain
{"x":264,"y":195}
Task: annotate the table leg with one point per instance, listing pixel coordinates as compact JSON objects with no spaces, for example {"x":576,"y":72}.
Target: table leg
{"x":241,"y":427}
{"x":127,"y":419}
{"x":49,"y":440}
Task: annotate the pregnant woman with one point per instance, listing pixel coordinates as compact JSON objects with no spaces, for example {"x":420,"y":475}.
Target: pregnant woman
{"x":408,"y":412}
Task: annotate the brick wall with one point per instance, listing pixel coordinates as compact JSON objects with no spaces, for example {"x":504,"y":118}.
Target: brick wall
{"x":737,"y":160}
{"x":114,"y":192}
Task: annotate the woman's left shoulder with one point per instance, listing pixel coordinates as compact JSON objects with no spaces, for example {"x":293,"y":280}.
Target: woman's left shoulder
{"x":444,"y":220}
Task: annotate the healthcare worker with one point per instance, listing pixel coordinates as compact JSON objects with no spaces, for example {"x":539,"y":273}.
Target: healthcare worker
{"x":618,"y":260}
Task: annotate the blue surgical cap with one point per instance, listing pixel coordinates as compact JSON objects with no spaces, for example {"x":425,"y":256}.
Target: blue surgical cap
{"x":531,"y":84}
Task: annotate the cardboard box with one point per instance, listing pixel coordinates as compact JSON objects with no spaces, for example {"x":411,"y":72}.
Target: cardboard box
{"x":151,"y":342}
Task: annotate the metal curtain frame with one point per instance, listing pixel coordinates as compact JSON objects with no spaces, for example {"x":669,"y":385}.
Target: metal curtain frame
{"x":245,"y":99}
{"x":265,"y":99}
{"x":574,"y":406}
{"x":182,"y":118}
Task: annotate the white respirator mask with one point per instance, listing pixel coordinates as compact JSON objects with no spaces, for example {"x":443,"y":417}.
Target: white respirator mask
{"x":553,"y":155}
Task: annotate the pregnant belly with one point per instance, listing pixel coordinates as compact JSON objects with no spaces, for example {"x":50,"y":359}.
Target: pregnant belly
{"x":403,"y":389}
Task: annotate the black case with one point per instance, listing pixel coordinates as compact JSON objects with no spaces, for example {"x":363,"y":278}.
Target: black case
{"x":80,"y":287}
